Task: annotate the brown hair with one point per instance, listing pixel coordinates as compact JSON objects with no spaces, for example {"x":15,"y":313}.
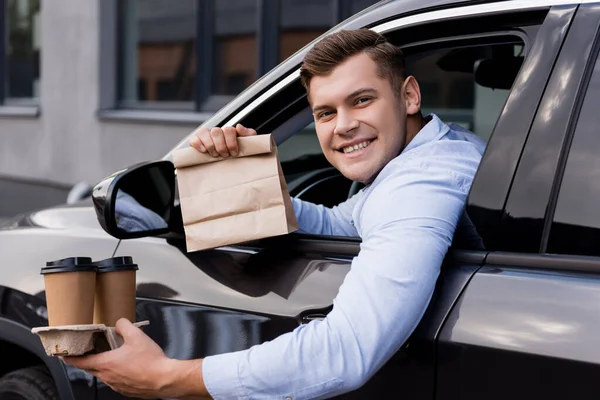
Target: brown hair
{"x":338,"y":47}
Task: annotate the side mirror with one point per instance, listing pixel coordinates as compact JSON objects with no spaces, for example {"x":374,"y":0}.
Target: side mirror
{"x":137,"y":201}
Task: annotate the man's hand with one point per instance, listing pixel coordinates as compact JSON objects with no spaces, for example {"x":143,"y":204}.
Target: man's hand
{"x":141,"y":369}
{"x":220,"y":141}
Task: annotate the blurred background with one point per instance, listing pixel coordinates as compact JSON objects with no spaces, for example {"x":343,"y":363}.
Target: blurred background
{"x":94,"y":86}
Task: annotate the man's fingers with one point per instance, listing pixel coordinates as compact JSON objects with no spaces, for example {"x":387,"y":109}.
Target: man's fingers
{"x":197,"y":144}
{"x":218,"y":138}
{"x":220,"y":141}
{"x":243,"y":131}
{"x":207,"y":142}
{"x":86,"y":363}
{"x":231,"y":140}
{"x":126,"y":329}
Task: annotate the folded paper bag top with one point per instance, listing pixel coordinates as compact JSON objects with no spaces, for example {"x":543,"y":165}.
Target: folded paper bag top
{"x":247,"y":146}
{"x":236,"y":199}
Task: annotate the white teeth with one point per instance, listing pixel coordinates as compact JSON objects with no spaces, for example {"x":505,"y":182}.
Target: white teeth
{"x":356,"y":147}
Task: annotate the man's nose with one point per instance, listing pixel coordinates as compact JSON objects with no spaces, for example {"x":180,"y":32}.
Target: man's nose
{"x":345,"y":123}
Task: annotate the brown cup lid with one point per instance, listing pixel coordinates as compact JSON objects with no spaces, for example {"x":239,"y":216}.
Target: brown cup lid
{"x":71,"y":264}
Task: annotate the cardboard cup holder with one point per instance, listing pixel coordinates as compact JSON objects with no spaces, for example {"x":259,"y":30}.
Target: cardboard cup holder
{"x":84,"y":300}
{"x":77,"y":340}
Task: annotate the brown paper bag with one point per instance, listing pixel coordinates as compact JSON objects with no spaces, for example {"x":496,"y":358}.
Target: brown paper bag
{"x":235,"y":199}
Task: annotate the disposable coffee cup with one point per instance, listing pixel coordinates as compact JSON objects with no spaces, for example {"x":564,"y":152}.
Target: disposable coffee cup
{"x":70,"y":284}
{"x":115,"y":290}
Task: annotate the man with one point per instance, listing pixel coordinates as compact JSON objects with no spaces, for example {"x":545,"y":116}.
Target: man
{"x":417,"y":172}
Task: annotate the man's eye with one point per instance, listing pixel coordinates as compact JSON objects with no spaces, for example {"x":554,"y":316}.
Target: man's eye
{"x":325,"y":114}
{"x":363,"y":100}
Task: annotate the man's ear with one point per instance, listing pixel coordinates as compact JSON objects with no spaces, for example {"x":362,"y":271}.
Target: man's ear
{"x":412,"y":95}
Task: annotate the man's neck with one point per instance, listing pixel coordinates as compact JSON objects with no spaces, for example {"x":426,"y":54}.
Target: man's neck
{"x":414,"y":124}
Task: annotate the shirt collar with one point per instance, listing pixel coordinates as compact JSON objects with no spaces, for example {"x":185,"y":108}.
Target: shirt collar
{"x":433,"y":130}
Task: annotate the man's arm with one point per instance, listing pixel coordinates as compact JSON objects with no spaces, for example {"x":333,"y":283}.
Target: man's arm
{"x":320,"y":220}
{"x":407,"y":225}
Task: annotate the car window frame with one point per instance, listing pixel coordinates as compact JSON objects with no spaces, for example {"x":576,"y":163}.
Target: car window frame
{"x":284,"y":88}
{"x":298,"y":120}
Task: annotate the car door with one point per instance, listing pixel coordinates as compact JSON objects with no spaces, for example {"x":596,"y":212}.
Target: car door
{"x":526,"y":326}
{"x":233,"y":297}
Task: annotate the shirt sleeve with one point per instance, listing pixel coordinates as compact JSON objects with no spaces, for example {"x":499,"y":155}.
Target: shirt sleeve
{"x":131,"y":216}
{"x":407,"y":224}
{"x":320,"y":220}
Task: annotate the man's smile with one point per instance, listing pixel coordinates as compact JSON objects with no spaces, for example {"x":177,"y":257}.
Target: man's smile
{"x":356,"y":150}
{"x":356,"y":146}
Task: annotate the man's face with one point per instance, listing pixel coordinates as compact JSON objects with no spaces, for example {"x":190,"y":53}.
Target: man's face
{"x":359,"y":118}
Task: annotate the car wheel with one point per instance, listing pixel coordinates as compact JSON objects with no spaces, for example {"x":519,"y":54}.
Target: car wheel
{"x":33,"y":383}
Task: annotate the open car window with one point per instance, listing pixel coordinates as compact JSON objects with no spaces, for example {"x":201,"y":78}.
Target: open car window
{"x":464,"y":83}
{"x":465,"y":78}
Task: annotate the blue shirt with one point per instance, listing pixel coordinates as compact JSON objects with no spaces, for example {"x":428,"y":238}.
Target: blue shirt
{"x":131,"y":216}
{"x":406,"y":218}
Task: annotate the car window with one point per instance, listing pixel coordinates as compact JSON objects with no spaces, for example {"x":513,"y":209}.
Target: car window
{"x":304,"y":142}
{"x":308,"y":174}
{"x":576,"y":224}
{"x":464,"y":80}
{"x":456,"y":83}
{"x":466,"y":85}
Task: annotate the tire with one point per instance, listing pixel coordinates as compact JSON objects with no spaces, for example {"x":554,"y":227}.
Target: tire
{"x":32,"y":383}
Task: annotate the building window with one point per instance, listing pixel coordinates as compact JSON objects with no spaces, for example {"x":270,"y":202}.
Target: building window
{"x":302,"y":21}
{"x":19,"y":51}
{"x":199,"y":54}
{"x":157,"y":54}
{"x":234,"y":46}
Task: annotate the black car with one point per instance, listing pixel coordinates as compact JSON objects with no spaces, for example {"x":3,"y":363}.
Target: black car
{"x":515,"y":314}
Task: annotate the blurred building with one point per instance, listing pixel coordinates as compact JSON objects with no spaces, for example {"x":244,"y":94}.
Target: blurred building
{"x":94,"y":86}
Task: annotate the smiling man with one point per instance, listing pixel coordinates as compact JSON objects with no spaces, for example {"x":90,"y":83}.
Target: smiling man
{"x":417,"y":171}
